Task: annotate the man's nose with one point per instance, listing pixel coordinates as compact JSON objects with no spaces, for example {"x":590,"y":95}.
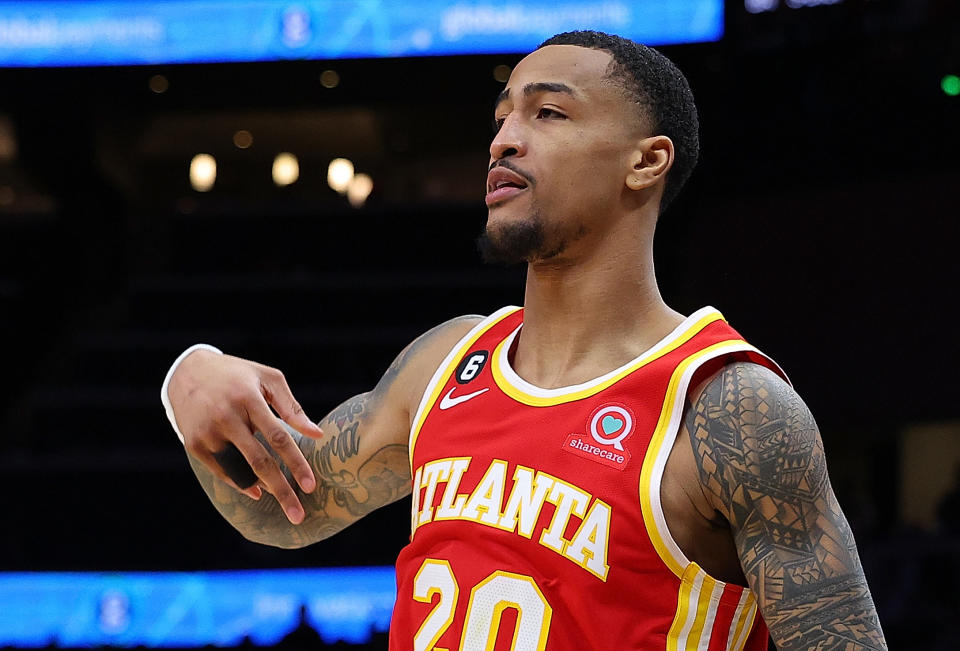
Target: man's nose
{"x":509,"y":141}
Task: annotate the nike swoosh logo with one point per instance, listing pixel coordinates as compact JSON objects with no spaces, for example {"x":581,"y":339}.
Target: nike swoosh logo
{"x":449,"y":401}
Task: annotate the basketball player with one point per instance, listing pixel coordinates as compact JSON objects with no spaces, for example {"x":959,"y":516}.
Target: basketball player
{"x":592,"y":471}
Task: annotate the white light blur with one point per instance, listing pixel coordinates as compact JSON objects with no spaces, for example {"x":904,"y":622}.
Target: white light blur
{"x":359,"y":189}
{"x":286,"y":169}
{"x":203,"y":172}
{"x":799,"y":4}
{"x":339,"y":174}
{"x":760,"y":6}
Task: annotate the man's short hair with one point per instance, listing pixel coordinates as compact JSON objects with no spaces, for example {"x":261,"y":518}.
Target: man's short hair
{"x":659,"y":89}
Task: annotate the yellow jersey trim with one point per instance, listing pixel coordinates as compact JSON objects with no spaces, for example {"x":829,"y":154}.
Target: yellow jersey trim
{"x":698,"y":591}
{"x":698,"y":604}
{"x":743,"y":622}
{"x":675,"y":340}
{"x":658,"y":450}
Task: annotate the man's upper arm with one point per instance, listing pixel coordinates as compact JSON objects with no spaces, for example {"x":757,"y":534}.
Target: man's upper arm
{"x":761,"y":463}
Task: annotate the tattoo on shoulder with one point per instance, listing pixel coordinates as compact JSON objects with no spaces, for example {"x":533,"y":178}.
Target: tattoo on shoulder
{"x":760,"y":460}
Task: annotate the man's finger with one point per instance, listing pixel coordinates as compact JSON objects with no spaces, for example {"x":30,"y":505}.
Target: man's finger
{"x":266,"y":468}
{"x":278,"y":437}
{"x":277,"y":392}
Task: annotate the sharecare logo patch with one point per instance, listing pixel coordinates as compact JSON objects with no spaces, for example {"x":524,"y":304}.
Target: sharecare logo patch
{"x":608,"y":427}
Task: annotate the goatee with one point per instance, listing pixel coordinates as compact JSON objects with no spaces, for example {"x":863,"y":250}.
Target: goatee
{"x":512,"y":243}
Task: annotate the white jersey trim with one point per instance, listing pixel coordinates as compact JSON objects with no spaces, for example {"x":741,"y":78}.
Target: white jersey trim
{"x":707,"y":633}
{"x":678,"y":558}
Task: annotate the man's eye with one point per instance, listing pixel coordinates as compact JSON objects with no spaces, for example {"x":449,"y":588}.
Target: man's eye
{"x":497,"y":124}
{"x":549,"y":113}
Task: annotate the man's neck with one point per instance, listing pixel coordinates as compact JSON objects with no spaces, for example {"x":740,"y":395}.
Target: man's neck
{"x":586,"y":317}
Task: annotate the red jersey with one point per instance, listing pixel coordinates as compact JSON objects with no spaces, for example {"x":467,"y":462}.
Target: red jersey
{"x":536,"y":522}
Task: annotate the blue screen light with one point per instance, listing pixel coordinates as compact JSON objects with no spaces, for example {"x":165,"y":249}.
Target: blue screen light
{"x":157,"y":609}
{"x":131,"y":32}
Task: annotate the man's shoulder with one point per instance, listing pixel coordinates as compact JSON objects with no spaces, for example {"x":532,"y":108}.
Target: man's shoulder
{"x":743,"y":387}
{"x":440,"y":340}
{"x":415,"y":365}
{"x":749,"y":427}
{"x":754,"y":370}
{"x":458,"y":325}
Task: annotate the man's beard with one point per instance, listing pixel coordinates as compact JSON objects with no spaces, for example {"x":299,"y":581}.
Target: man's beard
{"x":516,"y":242}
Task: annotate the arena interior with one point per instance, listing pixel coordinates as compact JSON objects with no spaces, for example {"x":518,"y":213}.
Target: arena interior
{"x":822,"y":220}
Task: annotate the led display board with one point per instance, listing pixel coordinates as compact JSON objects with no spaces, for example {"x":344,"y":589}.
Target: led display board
{"x":132,"y":32}
{"x":168,"y":609}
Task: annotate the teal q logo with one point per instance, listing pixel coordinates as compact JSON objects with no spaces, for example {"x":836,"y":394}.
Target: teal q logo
{"x":610,"y":425}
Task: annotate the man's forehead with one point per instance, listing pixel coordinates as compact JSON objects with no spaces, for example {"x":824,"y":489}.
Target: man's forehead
{"x":579,"y":67}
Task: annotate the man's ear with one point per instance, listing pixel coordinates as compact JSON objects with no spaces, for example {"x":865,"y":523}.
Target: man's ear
{"x":650,"y":162}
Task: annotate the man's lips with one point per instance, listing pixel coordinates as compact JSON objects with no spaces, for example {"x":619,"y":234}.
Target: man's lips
{"x":502,"y":194}
{"x":503,"y":183}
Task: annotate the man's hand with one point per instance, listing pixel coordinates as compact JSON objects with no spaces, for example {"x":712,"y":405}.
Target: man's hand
{"x":219,"y":401}
{"x":319,"y":483}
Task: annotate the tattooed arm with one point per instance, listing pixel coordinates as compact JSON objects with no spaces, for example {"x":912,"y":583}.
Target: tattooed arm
{"x":360,"y":462}
{"x":352,"y":480}
{"x":761,"y":465}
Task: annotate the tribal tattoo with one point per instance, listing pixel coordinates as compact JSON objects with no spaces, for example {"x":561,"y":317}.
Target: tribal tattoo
{"x":761,"y":462}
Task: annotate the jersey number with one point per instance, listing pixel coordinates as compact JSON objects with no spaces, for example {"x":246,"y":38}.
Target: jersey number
{"x":488,"y":600}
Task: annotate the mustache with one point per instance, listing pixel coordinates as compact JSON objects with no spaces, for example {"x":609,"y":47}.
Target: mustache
{"x":513,"y":168}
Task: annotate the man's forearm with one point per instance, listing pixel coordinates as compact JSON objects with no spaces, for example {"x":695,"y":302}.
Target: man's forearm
{"x":360,"y":464}
{"x":351,"y":481}
{"x":834,"y":614}
{"x":263,"y":520}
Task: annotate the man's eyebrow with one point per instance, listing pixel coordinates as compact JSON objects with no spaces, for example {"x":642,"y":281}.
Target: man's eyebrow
{"x":538,"y":87}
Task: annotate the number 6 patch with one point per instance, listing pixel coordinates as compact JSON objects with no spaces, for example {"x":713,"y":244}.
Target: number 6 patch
{"x":471,"y":366}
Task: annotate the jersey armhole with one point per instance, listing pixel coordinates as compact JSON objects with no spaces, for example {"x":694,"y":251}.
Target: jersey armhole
{"x":665,"y":434}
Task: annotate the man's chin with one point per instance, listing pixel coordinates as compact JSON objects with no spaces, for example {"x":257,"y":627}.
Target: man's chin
{"x":510,"y":242}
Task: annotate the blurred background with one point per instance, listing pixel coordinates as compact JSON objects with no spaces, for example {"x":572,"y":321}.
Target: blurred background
{"x":301,"y":183}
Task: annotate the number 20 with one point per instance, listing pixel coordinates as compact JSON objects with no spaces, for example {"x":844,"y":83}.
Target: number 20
{"x":488,"y":600}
